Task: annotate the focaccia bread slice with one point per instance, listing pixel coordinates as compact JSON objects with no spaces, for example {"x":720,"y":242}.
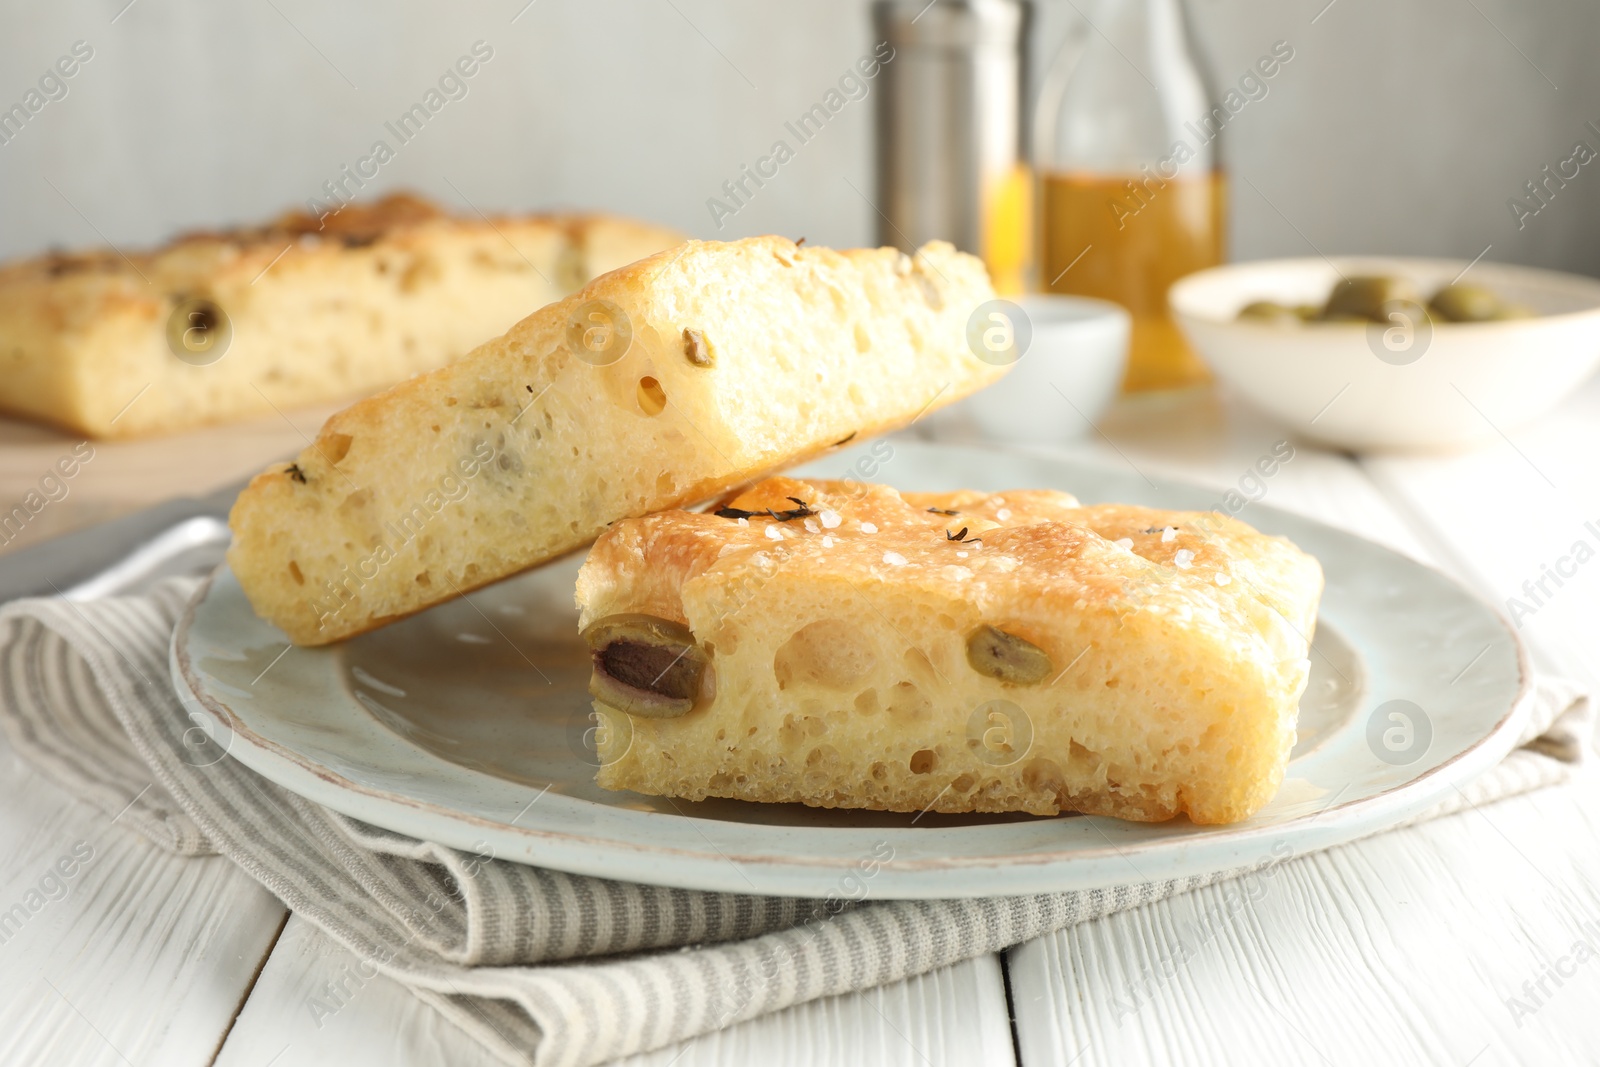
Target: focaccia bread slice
{"x":843,"y":645}
{"x":662,"y":384}
{"x":223,"y":326}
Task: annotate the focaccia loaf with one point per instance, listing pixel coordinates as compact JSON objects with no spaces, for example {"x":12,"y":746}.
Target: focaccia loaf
{"x":661,"y":384}
{"x":114,"y":346}
{"x":842,"y":645}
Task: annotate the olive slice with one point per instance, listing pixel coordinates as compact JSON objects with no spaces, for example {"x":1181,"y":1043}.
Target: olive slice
{"x":1009,"y":658}
{"x":644,"y":665}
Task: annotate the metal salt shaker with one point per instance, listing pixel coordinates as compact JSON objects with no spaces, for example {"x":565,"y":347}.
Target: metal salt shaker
{"x":951,"y":142}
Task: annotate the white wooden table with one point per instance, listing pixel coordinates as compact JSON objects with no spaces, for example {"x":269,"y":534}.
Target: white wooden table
{"x":1406,"y":948}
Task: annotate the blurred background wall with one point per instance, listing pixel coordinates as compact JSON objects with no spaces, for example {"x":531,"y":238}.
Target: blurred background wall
{"x":1400,"y":128}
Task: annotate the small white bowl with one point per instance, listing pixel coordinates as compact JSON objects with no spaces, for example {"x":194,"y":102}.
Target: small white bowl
{"x":1067,"y":375}
{"x":1361,"y":387}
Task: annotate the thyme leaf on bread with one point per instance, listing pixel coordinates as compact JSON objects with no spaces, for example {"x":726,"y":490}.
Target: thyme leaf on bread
{"x":961,"y":536}
{"x":801,"y":512}
{"x":296,"y":473}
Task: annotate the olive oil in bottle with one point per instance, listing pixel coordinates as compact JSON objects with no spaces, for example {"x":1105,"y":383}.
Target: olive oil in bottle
{"x":1132,"y":195}
{"x":1127,"y":239}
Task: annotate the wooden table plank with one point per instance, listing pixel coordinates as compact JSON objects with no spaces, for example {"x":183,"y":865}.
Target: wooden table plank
{"x":956,"y":1015}
{"x":142,"y":957}
{"x":1405,"y":948}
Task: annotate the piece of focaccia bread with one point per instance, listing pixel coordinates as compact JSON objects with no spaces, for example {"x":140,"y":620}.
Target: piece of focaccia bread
{"x":221,"y":326}
{"x":845,"y":646}
{"x":658,"y":385}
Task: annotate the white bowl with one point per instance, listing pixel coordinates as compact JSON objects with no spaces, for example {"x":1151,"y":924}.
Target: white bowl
{"x":1359,"y":386}
{"x":1067,"y":375}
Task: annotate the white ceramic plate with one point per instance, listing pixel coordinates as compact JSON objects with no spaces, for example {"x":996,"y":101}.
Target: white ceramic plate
{"x":466,"y":725}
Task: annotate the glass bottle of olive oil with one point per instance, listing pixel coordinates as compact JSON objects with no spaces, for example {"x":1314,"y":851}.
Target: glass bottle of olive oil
{"x":1132,"y":195}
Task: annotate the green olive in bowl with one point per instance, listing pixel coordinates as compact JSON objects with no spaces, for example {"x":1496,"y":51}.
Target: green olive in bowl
{"x":1270,"y":311}
{"x":1367,"y":297}
{"x":1465,"y":302}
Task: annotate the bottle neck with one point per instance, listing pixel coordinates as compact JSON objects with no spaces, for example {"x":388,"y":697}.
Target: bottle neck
{"x":1124,"y":92}
{"x":1149,"y":33}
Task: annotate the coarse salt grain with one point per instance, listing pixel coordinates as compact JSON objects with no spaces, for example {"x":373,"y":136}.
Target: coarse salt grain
{"x":1003,"y":514}
{"x":811,"y":526}
{"x":961,"y":555}
{"x":827,"y":540}
{"x":1169,"y":534}
{"x":894,"y":559}
{"x":1223,"y":579}
{"x":829,"y":517}
{"x":868,"y":527}
{"x":1124,"y":543}
{"x":1183,"y":560}
{"x":744,"y":522}
{"x":774,"y":533}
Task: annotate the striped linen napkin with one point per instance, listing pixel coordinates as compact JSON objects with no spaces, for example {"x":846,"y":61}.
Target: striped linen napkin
{"x":543,"y":968}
